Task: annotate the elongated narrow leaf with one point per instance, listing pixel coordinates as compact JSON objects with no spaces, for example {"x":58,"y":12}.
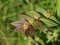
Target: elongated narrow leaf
{"x":30,"y":19}
{"x":19,"y":29}
{"x":54,"y":19}
{"x":40,"y":10}
{"x":48,"y":22}
{"x":39,"y":25}
{"x":18,"y":23}
{"x":33,"y":14}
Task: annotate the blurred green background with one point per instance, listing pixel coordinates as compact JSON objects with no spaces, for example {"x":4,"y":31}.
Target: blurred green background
{"x":10,"y":10}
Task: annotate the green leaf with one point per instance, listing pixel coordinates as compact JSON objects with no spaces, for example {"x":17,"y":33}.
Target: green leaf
{"x":29,"y":19}
{"x":33,"y":14}
{"x":40,"y":10}
{"x":48,"y":22}
{"x":54,"y":19}
{"x":39,"y":25}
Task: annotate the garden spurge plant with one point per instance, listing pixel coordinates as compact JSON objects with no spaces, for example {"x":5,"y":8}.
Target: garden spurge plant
{"x":35,"y":20}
